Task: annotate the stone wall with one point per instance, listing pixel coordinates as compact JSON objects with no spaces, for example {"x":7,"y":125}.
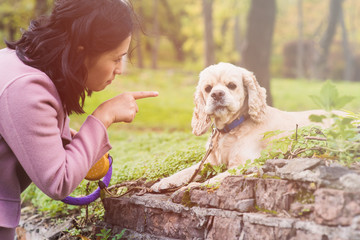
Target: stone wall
{"x":296,"y":199}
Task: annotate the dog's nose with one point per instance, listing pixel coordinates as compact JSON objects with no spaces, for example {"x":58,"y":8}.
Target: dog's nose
{"x":217,"y":95}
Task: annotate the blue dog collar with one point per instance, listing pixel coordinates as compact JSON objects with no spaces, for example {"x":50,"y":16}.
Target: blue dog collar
{"x":232,"y":125}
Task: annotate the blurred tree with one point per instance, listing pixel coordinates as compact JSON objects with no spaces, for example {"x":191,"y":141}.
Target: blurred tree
{"x":325,"y":43}
{"x":258,"y":43}
{"x":181,"y":33}
{"x":208,"y":32}
{"x":41,"y":7}
{"x":229,"y":21}
{"x":193,"y":30}
{"x":349,"y":71}
{"x":138,"y":41}
{"x":162,"y":25}
{"x":300,"y":44}
{"x":172,"y":31}
{"x":237,"y":35}
{"x":15,"y":14}
{"x":291,"y":58}
{"x":156,"y":39}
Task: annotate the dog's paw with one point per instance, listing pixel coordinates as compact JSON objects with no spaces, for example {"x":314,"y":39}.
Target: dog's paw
{"x":166,"y":183}
{"x":178,"y":195}
{"x":191,"y":185}
{"x":177,"y":180}
{"x":188,"y":187}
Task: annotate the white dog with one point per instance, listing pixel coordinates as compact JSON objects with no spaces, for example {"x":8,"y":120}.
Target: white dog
{"x":231,"y":97}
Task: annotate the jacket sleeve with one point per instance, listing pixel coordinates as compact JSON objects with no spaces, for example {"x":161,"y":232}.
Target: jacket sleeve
{"x":30,"y":122}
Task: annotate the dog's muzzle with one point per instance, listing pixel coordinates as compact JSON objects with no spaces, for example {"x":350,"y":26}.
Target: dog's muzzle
{"x":218,"y":95}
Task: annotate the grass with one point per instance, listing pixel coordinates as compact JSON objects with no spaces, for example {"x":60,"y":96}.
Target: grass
{"x":293,"y":94}
{"x":171,"y":110}
{"x":153,"y":154}
{"x":159,"y":142}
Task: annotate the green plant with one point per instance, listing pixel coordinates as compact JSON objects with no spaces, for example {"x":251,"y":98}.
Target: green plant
{"x":73,"y":232}
{"x":340,"y":142}
{"x":329,"y":98}
{"x":105,"y":234}
{"x":342,"y":138}
{"x":119,"y":235}
{"x":209,"y":171}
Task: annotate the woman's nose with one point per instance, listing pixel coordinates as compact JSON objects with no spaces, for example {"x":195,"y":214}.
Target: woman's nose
{"x":118,"y":70}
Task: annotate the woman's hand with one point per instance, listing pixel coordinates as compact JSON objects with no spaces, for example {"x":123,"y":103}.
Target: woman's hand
{"x":73,"y":132}
{"x":121,"y":108}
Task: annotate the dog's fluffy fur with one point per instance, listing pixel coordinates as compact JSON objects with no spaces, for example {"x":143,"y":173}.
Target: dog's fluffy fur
{"x":224,"y":93}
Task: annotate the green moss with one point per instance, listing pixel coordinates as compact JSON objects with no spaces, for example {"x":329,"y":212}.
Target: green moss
{"x":266,"y":176}
{"x":304,"y":211}
{"x":273,"y":212}
{"x":186,"y":200}
{"x":305,"y":196}
{"x":210,"y":188}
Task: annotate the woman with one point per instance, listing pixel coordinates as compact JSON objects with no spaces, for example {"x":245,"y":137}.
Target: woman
{"x":44,"y":77}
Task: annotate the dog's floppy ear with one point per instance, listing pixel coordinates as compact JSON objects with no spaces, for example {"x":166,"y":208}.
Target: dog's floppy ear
{"x":200,"y":122}
{"x":256,"y":96}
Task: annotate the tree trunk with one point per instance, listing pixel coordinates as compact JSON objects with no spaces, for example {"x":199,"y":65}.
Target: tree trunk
{"x":349,"y":58}
{"x":12,"y":32}
{"x":155,"y":45}
{"x":325,"y":43}
{"x":209,"y":38}
{"x":41,"y":7}
{"x":300,"y":43}
{"x":257,"y":51}
{"x":176,"y":38}
{"x":139,"y":52}
{"x":237,"y":35}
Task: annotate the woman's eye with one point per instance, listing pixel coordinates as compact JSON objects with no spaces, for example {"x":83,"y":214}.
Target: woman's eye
{"x":231,"y":86}
{"x":118,"y":60}
{"x":208,"y":88}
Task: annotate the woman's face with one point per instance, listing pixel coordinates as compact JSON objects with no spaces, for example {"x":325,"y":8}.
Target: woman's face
{"x":103,"y":68}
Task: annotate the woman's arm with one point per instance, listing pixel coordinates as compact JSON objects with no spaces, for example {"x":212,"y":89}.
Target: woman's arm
{"x":33,"y":123}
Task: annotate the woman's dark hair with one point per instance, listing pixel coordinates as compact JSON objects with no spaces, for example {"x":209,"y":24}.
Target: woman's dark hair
{"x":51,"y":43}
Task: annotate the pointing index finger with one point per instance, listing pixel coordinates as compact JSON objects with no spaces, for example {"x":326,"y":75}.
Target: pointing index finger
{"x":144,"y":94}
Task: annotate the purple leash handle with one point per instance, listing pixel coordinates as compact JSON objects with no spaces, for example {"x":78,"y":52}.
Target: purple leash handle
{"x":94,"y":195}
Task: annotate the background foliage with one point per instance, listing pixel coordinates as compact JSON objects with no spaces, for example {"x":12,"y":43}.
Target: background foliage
{"x":174,"y":36}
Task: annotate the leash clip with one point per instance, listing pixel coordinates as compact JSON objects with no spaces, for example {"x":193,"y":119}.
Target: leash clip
{"x":214,"y":129}
{"x":214,"y":132}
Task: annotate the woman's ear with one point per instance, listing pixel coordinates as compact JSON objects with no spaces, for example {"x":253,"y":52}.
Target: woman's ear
{"x":256,"y":96}
{"x":200,"y":122}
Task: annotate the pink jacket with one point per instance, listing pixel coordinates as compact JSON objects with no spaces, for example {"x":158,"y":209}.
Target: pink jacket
{"x":35,"y":141}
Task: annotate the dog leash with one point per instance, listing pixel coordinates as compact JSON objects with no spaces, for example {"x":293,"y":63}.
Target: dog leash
{"x":215,"y":133}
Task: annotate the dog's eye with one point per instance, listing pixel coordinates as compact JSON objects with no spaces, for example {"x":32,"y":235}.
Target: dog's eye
{"x":231,"y":86}
{"x":208,"y":88}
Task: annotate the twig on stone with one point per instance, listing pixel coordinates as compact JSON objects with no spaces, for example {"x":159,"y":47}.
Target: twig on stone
{"x":315,"y":138}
